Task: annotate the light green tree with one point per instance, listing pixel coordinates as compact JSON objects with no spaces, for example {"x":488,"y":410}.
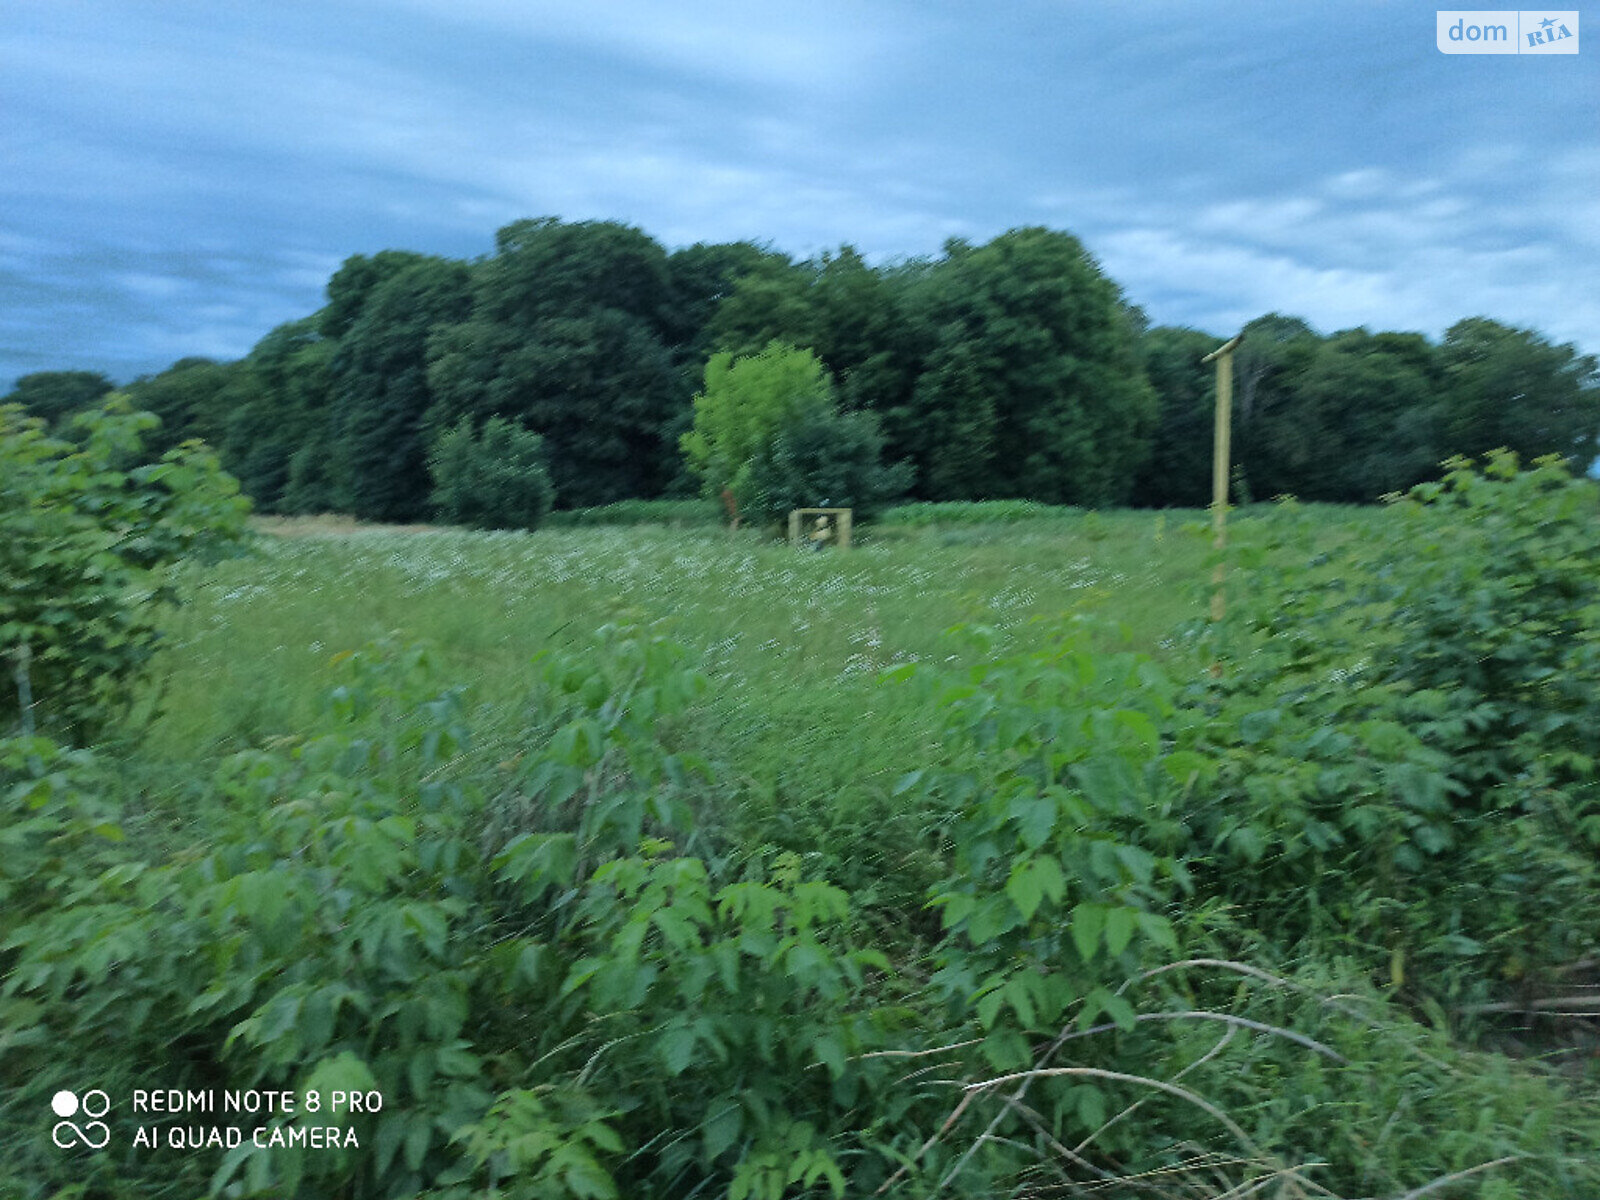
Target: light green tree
{"x":746,"y":402}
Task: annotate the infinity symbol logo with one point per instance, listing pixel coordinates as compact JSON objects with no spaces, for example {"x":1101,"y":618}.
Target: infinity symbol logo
{"x":95,"y":1104}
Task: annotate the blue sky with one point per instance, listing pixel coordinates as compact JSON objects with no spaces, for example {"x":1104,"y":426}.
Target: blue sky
{"x":179,"y":177}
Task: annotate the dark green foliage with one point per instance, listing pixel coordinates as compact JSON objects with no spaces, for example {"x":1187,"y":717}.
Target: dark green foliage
{"x":379,"y":381}
{"x":701,"y":277}
{"x":1357,"y":415}
{"x":493,"y":479}
{"x":194,"y":398}
{"x":825,"y":459}
{"x":86,"y":534}
{"x":565,"y":337}
{"x":952,"y":423}
{"x":53,"y":396}
{"x":290,"y":383}
{"x":771,"y":302}
{"x":1275,"y":442}
{"x":352,"y":285}
{"x":597,"y":387}
{"x":1010,"y":370}
{"x":1347,"y":418}
{"x":1178,"y":472}
{"x":1033,"y":386}
{"x":549,"y":268}
{"x":1368,"y":400}
{"x":1404,"y":764}
{"x":1508,"y":387}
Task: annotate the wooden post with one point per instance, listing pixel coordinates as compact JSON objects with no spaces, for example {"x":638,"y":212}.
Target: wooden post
{"x":1220,"y":465}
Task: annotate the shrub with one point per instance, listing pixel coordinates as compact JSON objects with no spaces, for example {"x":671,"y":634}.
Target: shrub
{"x":743,"y":405}
{"x":1400,"y":761}
{"x":496,"y":479}
{"x":86,"y":541}
{"x":768,"y":431}
{"x":825,"y":459}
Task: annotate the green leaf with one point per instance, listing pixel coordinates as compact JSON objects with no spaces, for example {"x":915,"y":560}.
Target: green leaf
{"x":830,"y":1052}
{"x":419,"y":1135}
{"x":1159,"y":930}
{"x":1088,"y":923}
{"x":1091,"y":1106}
{"x":721,"y":1130}
{"x":1026,"y":887}
{"x":1120,"y":925}
{"x":677,"y":1048}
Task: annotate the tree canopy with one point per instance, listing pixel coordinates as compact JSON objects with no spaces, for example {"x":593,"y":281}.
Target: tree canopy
{"x":1011,"y":369}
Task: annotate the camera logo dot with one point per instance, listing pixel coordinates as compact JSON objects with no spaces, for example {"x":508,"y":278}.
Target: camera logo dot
{"x":95,"y":1133}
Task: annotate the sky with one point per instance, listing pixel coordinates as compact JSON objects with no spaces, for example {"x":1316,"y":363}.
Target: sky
{"x":177,"y":178}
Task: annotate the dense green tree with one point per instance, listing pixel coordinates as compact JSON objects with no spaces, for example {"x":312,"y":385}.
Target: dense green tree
{"x":547,"y":268}
{"x":54,"y":395}
{"x":864,"y":331}
{"x":379,"y":382}
{"x":1050,"y":351}
{"x":193,"y":398}
{"x":353,"y":284}
{"x":1511,"y":387}
{"x":1178,"y":471}
{"x":492,"y":479}
{"x":1009,"y":369}
{"x":599,"y":387}
{"x":824,"y":458}
{"x":1275,"y":440}
{"x":701,"y":277}
{"x":1369,"y":398}
{"x":565,"y":338}
{"x":746,"y":401}
{"x":950,"y":426}
{"x":290,"y":371}
{"x":774,"y":301}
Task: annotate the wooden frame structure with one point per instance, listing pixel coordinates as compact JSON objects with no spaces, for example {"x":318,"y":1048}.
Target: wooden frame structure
{"x":840,"y":526}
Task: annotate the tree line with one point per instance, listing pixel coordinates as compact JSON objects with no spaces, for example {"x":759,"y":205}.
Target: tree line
{"x":1012,"y":369}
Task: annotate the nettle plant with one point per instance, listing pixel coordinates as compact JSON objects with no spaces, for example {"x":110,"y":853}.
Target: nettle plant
{"x":1400,"y":759}
{"x":88,"y":532}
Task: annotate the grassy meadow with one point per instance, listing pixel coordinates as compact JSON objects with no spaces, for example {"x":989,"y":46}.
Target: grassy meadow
{"x":793,"y":642}
{"x":807,"y":739}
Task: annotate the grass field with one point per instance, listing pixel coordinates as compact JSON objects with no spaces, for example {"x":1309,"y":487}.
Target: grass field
{"x":793,"y":642}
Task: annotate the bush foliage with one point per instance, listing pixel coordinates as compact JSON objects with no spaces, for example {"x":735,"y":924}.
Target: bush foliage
{"x":1401,"y":762}
{"x":88,"y":531}
{"x":768,"y":432}
{"x":493,"y":479}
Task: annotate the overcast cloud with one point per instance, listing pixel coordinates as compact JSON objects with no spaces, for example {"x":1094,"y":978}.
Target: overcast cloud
{"x":180,"y":177}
